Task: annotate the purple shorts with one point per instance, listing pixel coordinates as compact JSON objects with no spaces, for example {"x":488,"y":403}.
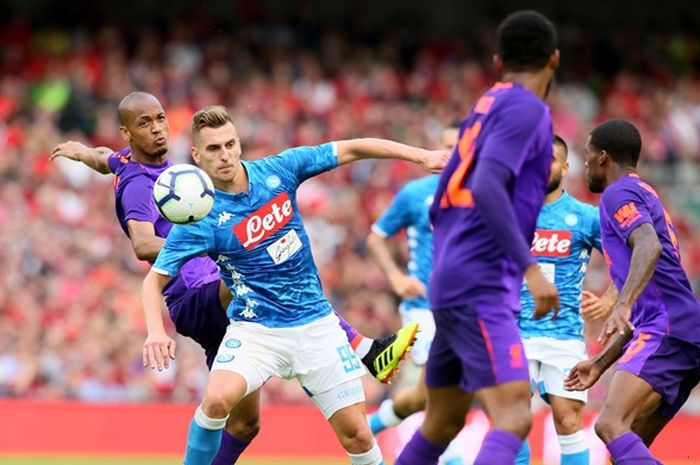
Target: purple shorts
{"x":475,"y":346}
{"x":670,"y":365}
{"x":197,"y":313}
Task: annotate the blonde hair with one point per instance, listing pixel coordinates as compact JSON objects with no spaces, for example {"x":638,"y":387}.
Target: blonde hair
{"x":213,"y":116}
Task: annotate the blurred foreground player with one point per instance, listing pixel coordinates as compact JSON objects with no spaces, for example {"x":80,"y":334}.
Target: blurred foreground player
{"x":484,"y":216}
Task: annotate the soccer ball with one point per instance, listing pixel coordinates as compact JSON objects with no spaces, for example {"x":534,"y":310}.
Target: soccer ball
{"x":183,"y":194}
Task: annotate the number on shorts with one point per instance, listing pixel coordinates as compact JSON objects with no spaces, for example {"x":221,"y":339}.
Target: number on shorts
{"x":348,"y":357}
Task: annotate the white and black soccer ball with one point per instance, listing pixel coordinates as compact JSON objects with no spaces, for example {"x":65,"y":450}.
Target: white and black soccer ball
{"x":183,"y":194}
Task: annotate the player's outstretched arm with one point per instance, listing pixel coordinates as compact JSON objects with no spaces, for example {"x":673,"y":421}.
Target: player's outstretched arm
{"x":403,"y":285}
{"x":585,"y":374}
{"x":95,"y":158}
{"x":159,"y":348}
{"x":646,"y":250}
{"x":359,"y":149}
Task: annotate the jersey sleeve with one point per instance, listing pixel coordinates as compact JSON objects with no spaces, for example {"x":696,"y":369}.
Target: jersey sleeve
{"x":183,"y":243}
{"x":115,"y":159}
{"x":510,"y":135}
{"x":626,"y":210}
{"x":304,"y":162}
{"x":137,"y":201}
{"x":397,"y":216}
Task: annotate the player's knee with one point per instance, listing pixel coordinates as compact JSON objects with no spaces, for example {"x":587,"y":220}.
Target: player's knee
{"x":568,"y":423}
{"x":518,"y":421}
{"x":216,"y":404}
{"x":356,"y":438}
{"x":244,"y":429}
{"x":608,"y":428}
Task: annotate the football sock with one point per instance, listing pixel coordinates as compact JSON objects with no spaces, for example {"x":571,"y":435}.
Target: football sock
{"x":384,"y":417}
{"x":231,"y":448}
{"x":523,"y":457}
{"x":574,"y":449}
{"x":629,"y":449}
{"x":498,"y":447}
{"x":371,"y":457}
{"x":420,"y":451}
{"x":203,"y":439}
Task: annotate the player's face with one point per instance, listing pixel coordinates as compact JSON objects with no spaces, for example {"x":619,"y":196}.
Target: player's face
{"x":449,"y":138}
{"x":595,"y":174}
{"x":147,"y":129}
{"x":218,"y":152}
{"x":560,"y":168}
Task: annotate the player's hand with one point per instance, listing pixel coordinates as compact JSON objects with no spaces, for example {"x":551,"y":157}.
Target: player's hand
{"x":593,"y":307}
{"x":543,"y":292}
{"x":617,"y":322}
{"x":582,"y":376}
{"x":406,"y":286}
{"x":158,"y":350}
{"x":72,"y":150}
{"x":436,"y":160}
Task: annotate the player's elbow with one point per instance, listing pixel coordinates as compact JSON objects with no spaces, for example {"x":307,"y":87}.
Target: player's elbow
{"x":143,"y":251}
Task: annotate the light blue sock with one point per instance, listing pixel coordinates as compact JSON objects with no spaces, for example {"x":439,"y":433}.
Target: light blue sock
{"x":375,"y":424}
{"x":384,"y":417}
{"x":574,"y":449}
{"x":579,"y":458}
{"x":203,"y":439}
{"x":523,"y":457}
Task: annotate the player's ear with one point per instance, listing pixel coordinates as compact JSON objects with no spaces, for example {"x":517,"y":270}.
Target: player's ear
{"x":554,"y":59}
{"x":124,"y":132}
{"x":195,"y":154}
{"x":497,"y":64}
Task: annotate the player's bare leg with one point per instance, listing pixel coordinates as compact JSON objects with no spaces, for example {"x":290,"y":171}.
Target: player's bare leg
{"x":350,"y":425}
{"x":242,"y":426}
{"x":568,"y":423}
{"x":629,"y":397}
{"x":224,"y":391}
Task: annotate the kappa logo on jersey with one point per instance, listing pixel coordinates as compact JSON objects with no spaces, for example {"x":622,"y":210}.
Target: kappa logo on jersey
{"x":551,"y":243}
{"x":268,"y":219}
{"x":224,"y":217}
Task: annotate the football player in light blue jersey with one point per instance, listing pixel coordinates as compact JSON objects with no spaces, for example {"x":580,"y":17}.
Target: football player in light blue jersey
{"x":567,"y":231}
{"x":281,"y":323}
{"x":409,"y":211}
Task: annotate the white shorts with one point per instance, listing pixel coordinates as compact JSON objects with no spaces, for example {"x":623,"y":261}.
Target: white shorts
{"x":317,"y":354}
{"x":549,"y":361}
{"x":426,"y":321}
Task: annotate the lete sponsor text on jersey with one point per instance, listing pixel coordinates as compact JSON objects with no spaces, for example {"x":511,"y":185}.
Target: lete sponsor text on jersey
{"x":268,"y":219}
{"x":551,"y":243}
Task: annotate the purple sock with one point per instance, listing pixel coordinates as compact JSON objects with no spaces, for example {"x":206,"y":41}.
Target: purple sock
{"x":420,"y":451}
{"x":499,"y":447}
{"x":629,"y":449}
{"x":350,"y":332}
{"x":231,"y":448}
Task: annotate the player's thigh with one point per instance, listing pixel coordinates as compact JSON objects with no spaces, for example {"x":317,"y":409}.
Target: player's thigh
{"x":445,"y":413}
{"x":629,"y":397}
{"x":554,"y":359}
{"x":253,"y":352}
{"x":424,"y":338}
{"x":507,"y":405}
{"x":224,"y":390}
{"x":326,"y":366}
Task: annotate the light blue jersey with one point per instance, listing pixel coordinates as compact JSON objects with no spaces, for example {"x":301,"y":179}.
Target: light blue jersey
{"x":409,"y":210}
{"x":567,"y":230}
{"x":259,"y":242}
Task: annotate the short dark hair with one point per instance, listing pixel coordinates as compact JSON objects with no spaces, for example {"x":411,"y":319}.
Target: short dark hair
{"x":559,"y":140}
{"x":620,"y":139}
{"x":526,"y":40}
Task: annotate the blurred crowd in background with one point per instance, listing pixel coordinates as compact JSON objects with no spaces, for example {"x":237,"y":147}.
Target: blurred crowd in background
{"x":70,"y":320}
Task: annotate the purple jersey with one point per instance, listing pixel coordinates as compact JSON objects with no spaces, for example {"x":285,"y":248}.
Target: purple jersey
{"x":513,"y":127}
{"x":667,"y":304}
{"x":133,"y":195}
